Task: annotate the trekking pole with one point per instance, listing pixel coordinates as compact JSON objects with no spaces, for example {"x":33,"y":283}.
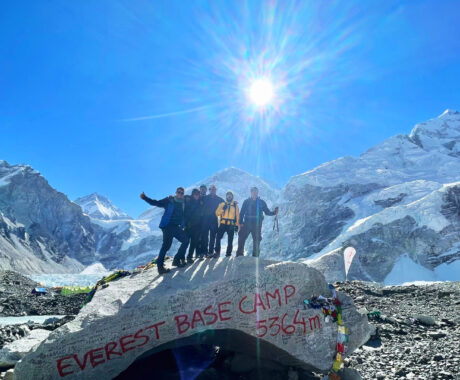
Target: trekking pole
{"x":278,"y":233}
{"x":271,"y":238}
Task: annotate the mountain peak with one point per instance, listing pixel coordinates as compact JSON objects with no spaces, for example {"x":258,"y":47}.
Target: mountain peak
{"x":7,"y":171}
{"x":99,"y":207}
{"x":449,"y":112}
{"x":440,"y":134}
{"x":231,"y":171}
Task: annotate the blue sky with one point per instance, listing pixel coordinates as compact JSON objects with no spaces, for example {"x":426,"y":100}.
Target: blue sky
{"x":119,"y":97}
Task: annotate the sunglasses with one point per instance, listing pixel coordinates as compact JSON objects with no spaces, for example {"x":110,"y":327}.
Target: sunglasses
{"x":180,"y":192}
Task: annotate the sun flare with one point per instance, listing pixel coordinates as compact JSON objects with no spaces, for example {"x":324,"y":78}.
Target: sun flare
{"x":261,"y":92}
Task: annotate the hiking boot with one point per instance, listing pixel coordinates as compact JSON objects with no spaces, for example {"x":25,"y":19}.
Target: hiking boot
{"x":183,"y":262}
{"x":228,"y":255}
{"x":163,"y":270}
{"x":215,"y":256}
{"x":190,"y":260}
{"x":177,"y":263}
{"x":201,"y":258}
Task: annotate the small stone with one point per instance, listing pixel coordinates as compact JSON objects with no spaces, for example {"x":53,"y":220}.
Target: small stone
{"x":437,"y":334}
{"x":380,"y":376}
{"x":423,"y":360}
{"x":400,"y":371}
{"x":445,"y":375}
{"x":425,"y":320}
{"x":438,"y":357}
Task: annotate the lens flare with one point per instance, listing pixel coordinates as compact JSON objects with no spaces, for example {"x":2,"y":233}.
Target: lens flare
{"x":261,"y":92}
{"x":259,"y":77}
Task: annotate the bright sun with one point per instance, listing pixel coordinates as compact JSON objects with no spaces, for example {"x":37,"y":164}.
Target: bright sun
{"x":261,"y":92}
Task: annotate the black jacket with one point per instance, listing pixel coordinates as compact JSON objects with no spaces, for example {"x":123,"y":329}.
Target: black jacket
{"x":252,"y":211}
{"x":193,"y":209}
{"x":211,"y":202}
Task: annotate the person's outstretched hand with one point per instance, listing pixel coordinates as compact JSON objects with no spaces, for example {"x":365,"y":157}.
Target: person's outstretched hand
{"x":143,"y":196}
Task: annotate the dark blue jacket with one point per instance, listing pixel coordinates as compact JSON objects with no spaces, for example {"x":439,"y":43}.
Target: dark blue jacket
{"x":252,"y":212}
{"x":169,"y":205}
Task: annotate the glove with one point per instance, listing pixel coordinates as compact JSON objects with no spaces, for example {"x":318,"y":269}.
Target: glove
{"x":143,"y":196}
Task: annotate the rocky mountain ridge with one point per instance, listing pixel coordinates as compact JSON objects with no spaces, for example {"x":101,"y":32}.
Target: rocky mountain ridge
{"x":40,"y":229}
{"x":400,"y":199}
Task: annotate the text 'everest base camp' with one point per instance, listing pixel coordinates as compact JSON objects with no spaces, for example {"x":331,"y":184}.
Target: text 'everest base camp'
{"x":249,"y":305}
{"x":398,"y":205}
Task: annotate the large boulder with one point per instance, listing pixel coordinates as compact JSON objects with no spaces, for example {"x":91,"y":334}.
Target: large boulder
{"x":244,"y":304}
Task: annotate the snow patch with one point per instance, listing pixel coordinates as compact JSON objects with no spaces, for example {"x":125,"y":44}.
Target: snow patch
{"x":448,"y":271}
{"x":407,"y":270}
{"x":96,"y":268}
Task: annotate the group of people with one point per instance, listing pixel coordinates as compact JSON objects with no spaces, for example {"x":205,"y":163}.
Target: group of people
{"x":200,"y":220}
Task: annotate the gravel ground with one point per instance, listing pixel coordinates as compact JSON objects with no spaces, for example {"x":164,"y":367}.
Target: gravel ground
{"x":17,"y":300}
{"x":417,"y":333}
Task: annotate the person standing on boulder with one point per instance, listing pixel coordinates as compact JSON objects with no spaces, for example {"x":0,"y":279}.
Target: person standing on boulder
{"x":172,"y":226}
{"x":199,"y":249}
{"x":209,"y":230}
{"x":193,"y":208}
{"x":250,"y":222}
{"x":228,"y":213}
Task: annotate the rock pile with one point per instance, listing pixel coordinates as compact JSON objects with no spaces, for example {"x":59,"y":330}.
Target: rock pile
{"x":417,"y":331}
{"x":16,"y":298}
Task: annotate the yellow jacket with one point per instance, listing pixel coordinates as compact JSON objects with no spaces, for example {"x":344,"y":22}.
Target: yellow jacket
{"x":230,"y":215}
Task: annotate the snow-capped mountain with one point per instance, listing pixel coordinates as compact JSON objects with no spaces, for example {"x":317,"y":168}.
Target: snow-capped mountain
{"x":389,"y":202}
{"x":398,"y":204}
{"x":99,"y":207}
{"x":40,"y":229}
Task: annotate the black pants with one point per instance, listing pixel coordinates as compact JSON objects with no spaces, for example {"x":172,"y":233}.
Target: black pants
{"x":169,"y":233}
{"x":230,"y":230}
{"x":208,"y":234}
{"x":256,"y":232}
{"x":193,"y":233}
